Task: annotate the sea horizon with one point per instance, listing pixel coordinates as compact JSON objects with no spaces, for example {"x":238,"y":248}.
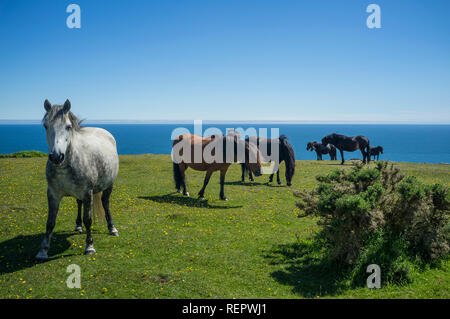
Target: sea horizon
{"x":209,"y":122}
{"x":415,"y":143}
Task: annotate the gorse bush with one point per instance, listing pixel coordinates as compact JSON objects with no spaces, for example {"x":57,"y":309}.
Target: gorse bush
{"x":377,"y":215}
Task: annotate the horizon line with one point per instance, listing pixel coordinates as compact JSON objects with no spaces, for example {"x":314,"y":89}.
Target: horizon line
{"x":208,"y":122}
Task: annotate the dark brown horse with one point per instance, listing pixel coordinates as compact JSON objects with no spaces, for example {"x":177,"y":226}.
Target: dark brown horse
{"x":322,"y":149}
{"x":349,"y":144}
{"x":210,"y":158}
{"x":375,"y":151}
{"x":285,"y":153}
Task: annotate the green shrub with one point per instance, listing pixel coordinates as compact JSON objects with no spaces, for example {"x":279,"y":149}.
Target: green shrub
{"x":377,"y":215}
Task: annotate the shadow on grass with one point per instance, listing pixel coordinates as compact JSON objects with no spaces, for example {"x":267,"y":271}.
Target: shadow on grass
{"x":268,"y":184}
{"x":334,"y":164}
{"x":273,"y":184}
{"x":349,"y":162}
{"x":175,"y":198}
{"x":19,"y":252}
{"x":302,"y":267}
{"x":244,"y":183}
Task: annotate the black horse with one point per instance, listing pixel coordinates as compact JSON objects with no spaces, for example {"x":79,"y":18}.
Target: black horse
{"x":322,"y":149}
{"x":375,"y":151}
{"x":285,"y":153}
{"x":349,"y":144}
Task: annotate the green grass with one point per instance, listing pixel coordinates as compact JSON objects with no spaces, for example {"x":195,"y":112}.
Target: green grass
{"x":252,"y":246}
{"x":24,"y":154}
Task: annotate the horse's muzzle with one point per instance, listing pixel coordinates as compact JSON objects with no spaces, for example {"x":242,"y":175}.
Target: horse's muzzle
{"x":56,"y":159}
{"x":257,"y":172}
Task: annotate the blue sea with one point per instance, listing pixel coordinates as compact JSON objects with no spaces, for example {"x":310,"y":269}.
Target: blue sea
{"x":402,"y":143}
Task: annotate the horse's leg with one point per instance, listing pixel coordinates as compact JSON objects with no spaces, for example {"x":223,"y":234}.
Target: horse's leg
{"x":278,"y":177}
{"x":205,"y":182}
{"x":79,"y":223}
{"x":368,"y":153}
{"x":363,"y":154}
{"x":243,"y":172}
{"x":183,"y":168}
{"x":53,"y":206}
{"x":105,"y":202}
{"x":87,"y":219}
{"x":223,"y":171}
{"x":342,"y":156}
{"x":271,"y":178}
{"x":250,"y":175}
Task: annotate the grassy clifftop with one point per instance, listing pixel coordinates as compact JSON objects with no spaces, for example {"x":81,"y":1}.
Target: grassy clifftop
{"x":176,"y":247}
{"x":24,"y":154}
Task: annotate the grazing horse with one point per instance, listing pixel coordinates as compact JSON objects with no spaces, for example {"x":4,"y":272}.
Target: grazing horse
{"x":322,"y":149}
{"x":349,"y":144}
{"x":219,"y":159}
{"x":375,"y":151}
{"x":82,"y":163}
{"x":285,"y":153}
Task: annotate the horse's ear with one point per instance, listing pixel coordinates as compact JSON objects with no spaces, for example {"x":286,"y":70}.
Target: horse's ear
{"x":47,"y":105}
{"x":66,"y":107}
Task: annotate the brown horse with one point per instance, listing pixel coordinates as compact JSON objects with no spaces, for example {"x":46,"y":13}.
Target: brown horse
{"x":322,"y":149}
{"x":217,"y":153}
{"x":349,"y":144}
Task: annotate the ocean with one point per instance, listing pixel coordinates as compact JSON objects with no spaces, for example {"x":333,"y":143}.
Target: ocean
{"x":401,"y":143}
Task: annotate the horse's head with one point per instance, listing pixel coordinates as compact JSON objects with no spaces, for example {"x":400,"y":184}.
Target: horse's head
{"x":309,"y":146}
{"x":59,"y":123}
{"x":253,"y":158}
{"x":381,"y":149}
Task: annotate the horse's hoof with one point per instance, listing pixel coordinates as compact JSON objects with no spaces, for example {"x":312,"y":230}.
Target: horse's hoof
{"x":201,"y":198}
{"x":186,"y":194}
{"x":224,"y":198}
{"x":89,"y":251}
{"x":78,"y":229}
{"x":41,"y":256}
{"x":114,"y":232}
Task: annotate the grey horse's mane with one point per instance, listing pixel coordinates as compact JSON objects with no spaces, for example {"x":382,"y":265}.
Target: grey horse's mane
{"x":56,"y":111}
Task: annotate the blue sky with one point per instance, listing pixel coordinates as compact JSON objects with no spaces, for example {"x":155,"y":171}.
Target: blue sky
{"x":227,"y":60}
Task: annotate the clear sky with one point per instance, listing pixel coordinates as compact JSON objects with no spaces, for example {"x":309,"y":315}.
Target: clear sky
{"x":227,"y":60}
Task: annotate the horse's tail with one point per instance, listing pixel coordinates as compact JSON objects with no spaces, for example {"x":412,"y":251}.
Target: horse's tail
{"x":98,"y":210}
{"x":177,"y":175}
{"x":286,"y":146}
{"x":288,"y":153}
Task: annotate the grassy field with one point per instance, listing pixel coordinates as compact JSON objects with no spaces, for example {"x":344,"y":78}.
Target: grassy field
{"x":176,"y":247}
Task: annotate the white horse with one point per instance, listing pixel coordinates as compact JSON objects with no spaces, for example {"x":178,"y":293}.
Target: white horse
{"x":82,"y":163}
